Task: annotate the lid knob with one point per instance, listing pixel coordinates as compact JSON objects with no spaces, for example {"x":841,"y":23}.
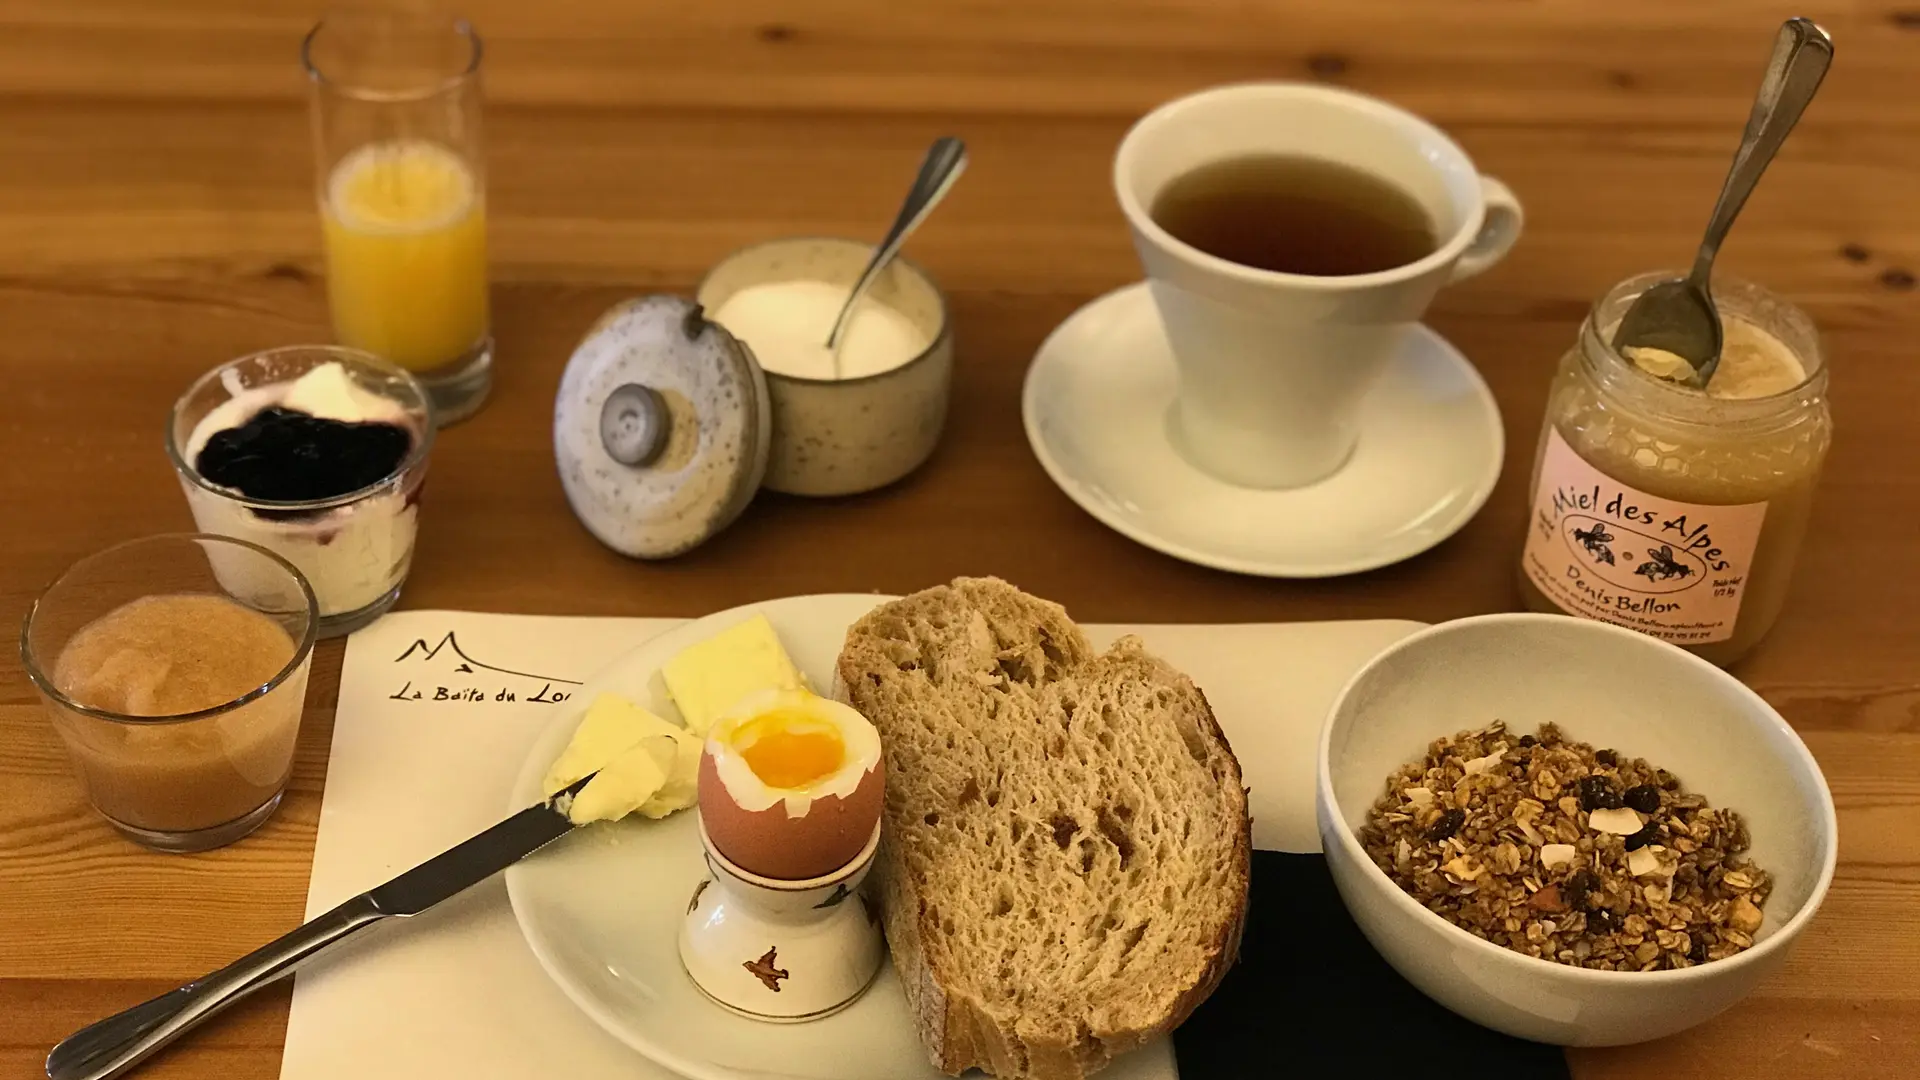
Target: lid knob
{"x":634,"y":424}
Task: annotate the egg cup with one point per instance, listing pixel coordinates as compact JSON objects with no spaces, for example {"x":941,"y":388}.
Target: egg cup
{"x":782,"y":951}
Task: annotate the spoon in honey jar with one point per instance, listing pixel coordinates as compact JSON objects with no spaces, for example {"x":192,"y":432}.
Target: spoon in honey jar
{"x":1673,"y":330}
{"x":945,"y":160}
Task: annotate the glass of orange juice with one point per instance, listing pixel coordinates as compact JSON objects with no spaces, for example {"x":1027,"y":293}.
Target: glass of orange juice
{"x":396,"y":127}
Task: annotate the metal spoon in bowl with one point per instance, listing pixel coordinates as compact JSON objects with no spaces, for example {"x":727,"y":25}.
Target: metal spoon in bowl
{"x":946,"y":159}
{"x":1678,"y":316}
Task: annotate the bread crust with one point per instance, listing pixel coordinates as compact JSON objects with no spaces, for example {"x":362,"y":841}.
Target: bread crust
{"x":959,"y":1030}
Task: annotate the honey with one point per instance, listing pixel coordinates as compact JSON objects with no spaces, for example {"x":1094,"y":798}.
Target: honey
{"x":1671,"y":510}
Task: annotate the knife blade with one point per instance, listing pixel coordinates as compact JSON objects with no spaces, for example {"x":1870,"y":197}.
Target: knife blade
{"x":478,"y":858}
{"x":114,"y":1046}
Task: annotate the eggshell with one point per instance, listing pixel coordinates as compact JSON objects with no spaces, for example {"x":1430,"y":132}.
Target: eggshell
{"x":771,"y":844}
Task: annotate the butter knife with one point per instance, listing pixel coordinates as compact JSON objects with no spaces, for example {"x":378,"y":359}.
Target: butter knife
{"x":114,"y":1046}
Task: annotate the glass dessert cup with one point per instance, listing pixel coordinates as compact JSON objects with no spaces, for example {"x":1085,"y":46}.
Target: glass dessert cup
{"x":356,"y":547}
{"x":168,"y":777}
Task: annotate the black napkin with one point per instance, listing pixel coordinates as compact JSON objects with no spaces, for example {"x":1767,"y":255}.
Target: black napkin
{"x":1311,"y":997}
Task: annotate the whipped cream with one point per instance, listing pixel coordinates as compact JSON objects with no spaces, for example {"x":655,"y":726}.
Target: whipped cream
{"x":326,"y":391}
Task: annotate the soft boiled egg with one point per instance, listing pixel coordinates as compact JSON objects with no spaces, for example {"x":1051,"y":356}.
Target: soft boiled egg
{"x":791,"y":784}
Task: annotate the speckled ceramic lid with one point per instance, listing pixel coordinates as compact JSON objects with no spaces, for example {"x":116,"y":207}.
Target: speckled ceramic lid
{"x":661,"y":427}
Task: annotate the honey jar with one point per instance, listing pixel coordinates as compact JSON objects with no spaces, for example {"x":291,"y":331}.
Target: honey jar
{"x":1669,"y":509}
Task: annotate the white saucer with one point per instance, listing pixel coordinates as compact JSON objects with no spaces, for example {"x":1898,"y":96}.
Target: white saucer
{"x":601,"y":908}
{"x":1096,"y":405}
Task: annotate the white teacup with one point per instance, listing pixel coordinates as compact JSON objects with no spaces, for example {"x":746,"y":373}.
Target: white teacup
{"x":1274,"y":366}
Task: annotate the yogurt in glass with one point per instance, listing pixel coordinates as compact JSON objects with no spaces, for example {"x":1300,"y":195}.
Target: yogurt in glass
{"x":317,"y":453}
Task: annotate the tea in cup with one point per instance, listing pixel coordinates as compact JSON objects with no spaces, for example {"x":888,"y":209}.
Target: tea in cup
{"x":1292,"y":236}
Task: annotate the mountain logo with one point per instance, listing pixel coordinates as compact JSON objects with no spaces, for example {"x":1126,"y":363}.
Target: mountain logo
{"x":447,"y":663}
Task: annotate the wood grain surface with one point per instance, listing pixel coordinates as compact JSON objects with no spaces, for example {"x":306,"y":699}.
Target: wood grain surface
{"x":157,"y":217}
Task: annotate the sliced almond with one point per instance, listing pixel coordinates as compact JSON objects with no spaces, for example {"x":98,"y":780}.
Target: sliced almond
{"x":1622,"y":822}
{"x":1419,"y":798}
{"x":1650,"y":861}
{"x":1482,"y":764}
{"x":1555,"y":856}
{"x":1402,"y":854}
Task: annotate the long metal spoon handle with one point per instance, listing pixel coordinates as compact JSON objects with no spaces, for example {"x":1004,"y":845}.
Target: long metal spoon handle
{"x":1802,"y":53}
{"x":946,"y":160}
{"x":115,"y":1045}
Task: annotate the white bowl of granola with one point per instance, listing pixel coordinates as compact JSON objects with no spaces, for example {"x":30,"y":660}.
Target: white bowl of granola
{"x":1629,"y":870}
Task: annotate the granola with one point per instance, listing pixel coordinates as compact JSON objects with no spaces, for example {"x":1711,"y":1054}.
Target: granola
{"x":1554,"y":849}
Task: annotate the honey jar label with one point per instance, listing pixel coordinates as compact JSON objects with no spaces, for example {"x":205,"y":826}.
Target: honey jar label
{"x":1607,"y":551}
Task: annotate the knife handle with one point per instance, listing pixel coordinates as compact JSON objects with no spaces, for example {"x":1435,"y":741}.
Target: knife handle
{"x":115,"y":1045}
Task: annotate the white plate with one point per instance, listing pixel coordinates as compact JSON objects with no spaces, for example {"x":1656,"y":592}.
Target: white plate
{"x":1096,"y":403}
{"x":601,"y":908}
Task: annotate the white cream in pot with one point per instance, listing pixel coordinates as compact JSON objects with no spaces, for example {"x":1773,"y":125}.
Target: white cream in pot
{"x":786,"y":324}
{"x":878,"y":415}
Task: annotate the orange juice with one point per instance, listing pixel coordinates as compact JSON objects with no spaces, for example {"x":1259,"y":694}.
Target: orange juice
{"x":406,"y":238}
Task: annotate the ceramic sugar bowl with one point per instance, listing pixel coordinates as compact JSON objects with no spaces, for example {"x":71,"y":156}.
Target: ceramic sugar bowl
{"x":784,"y":951}
{"x":673,"y":412}
{"x":856,"y":417}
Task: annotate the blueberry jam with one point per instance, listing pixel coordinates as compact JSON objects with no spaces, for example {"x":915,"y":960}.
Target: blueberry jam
{"x":284,"y":455}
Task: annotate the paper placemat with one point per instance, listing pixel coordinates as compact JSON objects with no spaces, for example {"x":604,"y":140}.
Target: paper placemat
{"x":439,"y":709}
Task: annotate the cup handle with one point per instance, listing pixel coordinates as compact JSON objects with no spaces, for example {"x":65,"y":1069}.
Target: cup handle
{"x":1499,"y":229}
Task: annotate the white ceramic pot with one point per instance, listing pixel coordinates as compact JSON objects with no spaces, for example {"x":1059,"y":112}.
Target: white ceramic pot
{"x":1610,"y":687}
{"x":844,"y":436}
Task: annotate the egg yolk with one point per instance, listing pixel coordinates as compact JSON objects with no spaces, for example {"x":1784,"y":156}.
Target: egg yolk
{"x":788,"y":755}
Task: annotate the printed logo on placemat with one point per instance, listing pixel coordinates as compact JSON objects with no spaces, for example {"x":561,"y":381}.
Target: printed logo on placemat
{"x":444,"y":671}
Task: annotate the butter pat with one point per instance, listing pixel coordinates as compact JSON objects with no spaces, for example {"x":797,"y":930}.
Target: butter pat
{"x":626,"y":744}
{"x":611,"y":726}
{"x":708,"y":678}
{"x":682,"y":786}
{"x":626,"y":783}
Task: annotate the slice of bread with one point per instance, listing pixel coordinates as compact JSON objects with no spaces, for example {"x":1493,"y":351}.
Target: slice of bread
{"x":1065,"y":860}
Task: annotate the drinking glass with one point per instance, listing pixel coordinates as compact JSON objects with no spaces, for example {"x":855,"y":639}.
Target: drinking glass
{"x":402,"y":191}
{"x":183,"y":607}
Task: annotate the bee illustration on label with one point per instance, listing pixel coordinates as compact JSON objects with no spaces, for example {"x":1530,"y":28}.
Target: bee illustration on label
{"x":1629,"y":559}
{"x":1595,"y":540}
{"x":1662,"y":566}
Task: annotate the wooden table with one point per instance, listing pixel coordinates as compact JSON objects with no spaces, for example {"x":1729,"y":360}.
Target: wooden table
{"x":156,"y":217}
